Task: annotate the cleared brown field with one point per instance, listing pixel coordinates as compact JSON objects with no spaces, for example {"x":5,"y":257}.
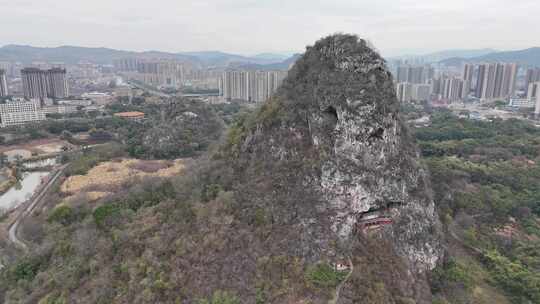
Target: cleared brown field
{"x":108,"y":176}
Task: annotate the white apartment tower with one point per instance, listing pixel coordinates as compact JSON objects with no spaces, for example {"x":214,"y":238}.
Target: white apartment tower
{"x":14,"y":113}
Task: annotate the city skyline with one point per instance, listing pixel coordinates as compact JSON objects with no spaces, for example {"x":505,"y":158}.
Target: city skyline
{"x":251,"y":27}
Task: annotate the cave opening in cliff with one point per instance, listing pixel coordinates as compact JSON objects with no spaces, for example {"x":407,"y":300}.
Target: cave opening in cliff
{"x":330,"y":117}
{"x":377,"y":134}
{"x":331,"y":114}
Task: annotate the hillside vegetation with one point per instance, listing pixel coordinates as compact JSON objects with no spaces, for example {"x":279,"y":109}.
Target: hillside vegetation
{"x":486,"y":178}
{"x":261,"y":214}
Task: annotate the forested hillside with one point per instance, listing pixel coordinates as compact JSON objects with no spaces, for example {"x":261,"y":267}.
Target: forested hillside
{"x":486,"y":179}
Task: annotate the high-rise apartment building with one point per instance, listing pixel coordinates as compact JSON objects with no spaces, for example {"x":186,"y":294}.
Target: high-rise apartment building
{"x":3,"y":84}
{"x":532,"y":75}
{"x":436,"y":86}
{"x":34,"y":83}
{"x":156,"y":73}
{"x":496,"y":80}
{"x":126,"y":64}
{"x":452,"y":89}
{"x":41,"y":84}
{"x":57,"y":86}
{"x":414,"y":74}
{"x":508,"y":87}
{"x":468,"y":71}
{"x":421,"y":92}
{"x":480,"y":79}
{"x":404,"y":91}
{"x":235,"y":85}
{"x":532,"y":90}
{"x":252,"y":86}
{"x":537,"y":106}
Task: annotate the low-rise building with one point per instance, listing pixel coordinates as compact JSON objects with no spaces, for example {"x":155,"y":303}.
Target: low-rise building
{"x":522,"y":102}
{"x":98,"y":98}
{"x":76,"y":102}
{"x":59,"y":109}
{"x":123,"y":91}
{"x":20,"y":112}
{"x":137,"y":116}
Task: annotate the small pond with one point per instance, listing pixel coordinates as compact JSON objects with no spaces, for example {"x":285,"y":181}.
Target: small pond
{"x":22,"y":191}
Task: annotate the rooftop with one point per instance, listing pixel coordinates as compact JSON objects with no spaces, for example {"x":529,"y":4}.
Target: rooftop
{"x":129,"y":114}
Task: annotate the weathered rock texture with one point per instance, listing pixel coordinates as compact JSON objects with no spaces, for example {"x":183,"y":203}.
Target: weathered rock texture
{"x":331,"y":146}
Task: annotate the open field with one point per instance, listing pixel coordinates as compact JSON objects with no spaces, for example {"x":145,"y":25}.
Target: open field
{"x":35,"y":147}
{"x":107,"y":177}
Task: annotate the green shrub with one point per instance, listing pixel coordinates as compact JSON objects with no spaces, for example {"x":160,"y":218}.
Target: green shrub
{"x":62,"y":214}
{"x":324,"y":275}
{"x":26,"y":269}
{"x":102,"y":213}
{"x":261,"y":217}
{"x":518,"y":281}
{"x":450,"y":273}
{"x":210,"y":192}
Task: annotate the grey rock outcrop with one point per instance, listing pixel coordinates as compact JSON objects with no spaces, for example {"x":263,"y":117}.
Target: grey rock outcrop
{"x":335,"y":121}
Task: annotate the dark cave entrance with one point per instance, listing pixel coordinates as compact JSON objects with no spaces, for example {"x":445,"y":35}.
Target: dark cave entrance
{"x":377,"y":134}
{"x":331,"y":116}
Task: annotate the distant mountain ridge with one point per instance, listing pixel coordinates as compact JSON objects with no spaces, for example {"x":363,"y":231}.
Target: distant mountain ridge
{"x":528,"y":57}
{"x":73,"y":54}
{"x":446,"y":54}
{"x":283,"y":65}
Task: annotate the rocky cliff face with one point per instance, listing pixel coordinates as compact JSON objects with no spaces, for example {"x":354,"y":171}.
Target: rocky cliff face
{"x":335,"y":124}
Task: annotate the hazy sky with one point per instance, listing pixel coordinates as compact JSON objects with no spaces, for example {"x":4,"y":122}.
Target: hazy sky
{"x":253,"y":26}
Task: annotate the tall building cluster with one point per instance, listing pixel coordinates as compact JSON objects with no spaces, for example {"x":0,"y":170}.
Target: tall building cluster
{"x":407,"y":92}
{"x":496,"y":80}
{"x":126,"y":64}
{"x":452,"y":89}
{"x":251,"y":86}
{"x":3,"y":84}
{"x":486,"y":81}
{"x":42,"y":84}
{"x":158,"y":73}
{"x":205,"y":79}
{"x":412,"y":82}
{"x":38,"y":87}
{"x":449,"y":88}
{"x":414,"y":74}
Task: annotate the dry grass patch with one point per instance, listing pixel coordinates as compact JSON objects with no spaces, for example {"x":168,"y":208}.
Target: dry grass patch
{"x":151,"y":166}
{"x":108,"y":176}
